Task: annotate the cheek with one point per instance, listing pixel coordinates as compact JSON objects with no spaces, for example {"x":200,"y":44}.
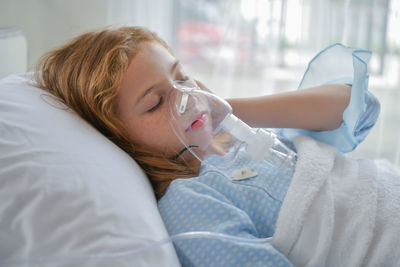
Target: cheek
{"x":157,"y":135}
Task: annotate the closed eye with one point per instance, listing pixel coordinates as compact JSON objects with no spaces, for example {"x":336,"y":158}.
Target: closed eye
{"x":185,"y":78}
{"x":161,"y":100}
{"x":155,"y":107}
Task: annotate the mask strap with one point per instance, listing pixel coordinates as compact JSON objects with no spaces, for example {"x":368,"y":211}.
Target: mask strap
{"x":183,"y":150}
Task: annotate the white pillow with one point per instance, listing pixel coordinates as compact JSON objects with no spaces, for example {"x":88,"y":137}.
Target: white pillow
{"x":66,"y":191}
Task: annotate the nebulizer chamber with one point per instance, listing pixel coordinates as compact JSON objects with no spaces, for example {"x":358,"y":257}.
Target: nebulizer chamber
{"x":205,"y":125}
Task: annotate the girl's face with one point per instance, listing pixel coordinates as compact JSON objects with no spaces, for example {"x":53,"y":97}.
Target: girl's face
{"x":141,"y":101}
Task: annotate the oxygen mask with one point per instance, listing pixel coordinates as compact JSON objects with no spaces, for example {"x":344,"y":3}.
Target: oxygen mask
{"x":205,"y":125}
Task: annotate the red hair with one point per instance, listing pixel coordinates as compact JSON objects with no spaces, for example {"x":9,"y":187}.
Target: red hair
{"x":86,"y":73}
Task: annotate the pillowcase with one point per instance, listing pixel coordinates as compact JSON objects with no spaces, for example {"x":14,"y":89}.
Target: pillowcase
{"x":66,"y":191}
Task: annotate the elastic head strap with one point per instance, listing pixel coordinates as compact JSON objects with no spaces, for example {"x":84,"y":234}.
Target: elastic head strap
{"x":183,"y":150}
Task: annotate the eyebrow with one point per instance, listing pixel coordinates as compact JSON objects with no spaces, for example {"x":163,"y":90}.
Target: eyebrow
{"x":148,"y":91}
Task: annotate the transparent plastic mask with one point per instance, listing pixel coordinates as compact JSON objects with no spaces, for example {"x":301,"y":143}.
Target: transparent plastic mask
{"x":195,"y":116}
{"x":205,"y":125}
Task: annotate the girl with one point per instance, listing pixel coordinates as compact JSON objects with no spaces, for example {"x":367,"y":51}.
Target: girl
{"x":118,"y":79}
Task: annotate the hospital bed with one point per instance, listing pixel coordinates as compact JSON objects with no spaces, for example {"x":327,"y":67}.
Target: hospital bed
{"x":68,"y":196}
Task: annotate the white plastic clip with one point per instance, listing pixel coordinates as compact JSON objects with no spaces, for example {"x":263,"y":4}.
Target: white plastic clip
{"x":244,"y":173}
{"x":184,"y":100}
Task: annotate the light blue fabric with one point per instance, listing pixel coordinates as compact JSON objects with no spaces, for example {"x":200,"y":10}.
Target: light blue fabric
{"x":346,"y":65}
{"x":214,"y":202}
{"x":249,"y":208}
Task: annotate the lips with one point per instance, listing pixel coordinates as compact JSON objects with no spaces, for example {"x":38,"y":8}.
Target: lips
{"x":198,"y":122}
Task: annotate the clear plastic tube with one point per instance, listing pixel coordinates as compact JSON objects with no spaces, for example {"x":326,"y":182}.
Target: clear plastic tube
{"x":80,"y":259}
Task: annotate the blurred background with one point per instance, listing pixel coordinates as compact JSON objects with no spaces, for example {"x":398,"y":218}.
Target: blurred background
{"x":237,"y":47}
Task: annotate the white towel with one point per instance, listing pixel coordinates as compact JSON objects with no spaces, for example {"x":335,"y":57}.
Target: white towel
{"x":339,"y":211}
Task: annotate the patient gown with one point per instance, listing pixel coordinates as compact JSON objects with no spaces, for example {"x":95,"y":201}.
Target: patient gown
{"x":249,"y":208}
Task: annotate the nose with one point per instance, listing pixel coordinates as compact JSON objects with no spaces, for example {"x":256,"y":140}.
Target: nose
{"x":185,"y":88}
{"x":185,"y":85}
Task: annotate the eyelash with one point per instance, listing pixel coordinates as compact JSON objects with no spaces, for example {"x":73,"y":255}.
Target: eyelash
{"x":156,"y":106}
{"x":185,"y":78}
